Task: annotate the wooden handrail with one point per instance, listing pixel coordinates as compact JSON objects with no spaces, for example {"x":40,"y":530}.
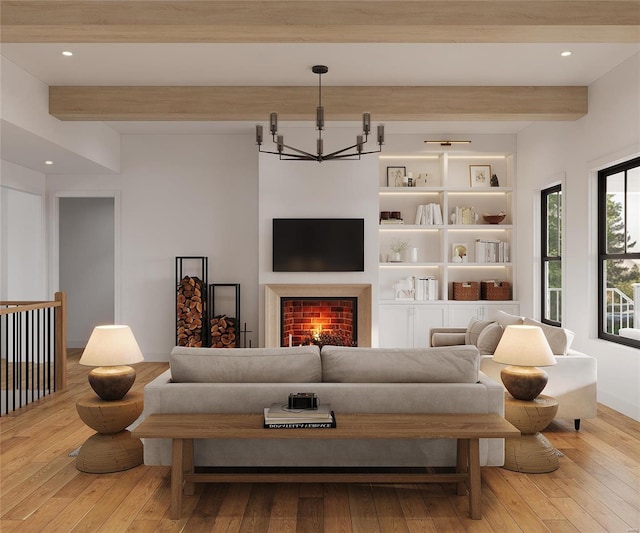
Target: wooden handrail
{"x":19,"y":307}
{"x":59,"y":304}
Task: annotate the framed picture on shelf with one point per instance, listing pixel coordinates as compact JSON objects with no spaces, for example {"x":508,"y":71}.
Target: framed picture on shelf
{"x":459,"y":252}
{"x":480,"y":175}
{"x":395,"y":176}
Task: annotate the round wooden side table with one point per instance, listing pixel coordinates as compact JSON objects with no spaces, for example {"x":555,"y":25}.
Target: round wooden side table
{"x":112,"y":448}
{"x":531,"y":452}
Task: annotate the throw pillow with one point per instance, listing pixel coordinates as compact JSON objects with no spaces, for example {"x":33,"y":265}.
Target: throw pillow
{"x":489,"y":338}
{"x":473,"y":330}
{"x":559,"y":339}
{"x":506,"y":319}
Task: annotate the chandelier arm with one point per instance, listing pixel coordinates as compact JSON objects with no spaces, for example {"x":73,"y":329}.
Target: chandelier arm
{"x":333,"y":154}
{"x":286,"y":155}
{"x":354,"y":155}
{"x":308,"y":154}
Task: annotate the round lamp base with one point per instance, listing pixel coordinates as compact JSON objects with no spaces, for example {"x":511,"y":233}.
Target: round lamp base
{"x":112,"y":382}
{"x":524,"y":382}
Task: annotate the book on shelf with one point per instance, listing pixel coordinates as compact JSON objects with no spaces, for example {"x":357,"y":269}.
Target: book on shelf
{"x":391,"y":221}
{"x":428,"y":214}
{"x":426,"y":289}
{"x":492,"y":251}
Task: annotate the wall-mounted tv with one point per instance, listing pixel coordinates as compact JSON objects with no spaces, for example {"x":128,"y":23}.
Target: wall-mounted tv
{"x":318,"y":245}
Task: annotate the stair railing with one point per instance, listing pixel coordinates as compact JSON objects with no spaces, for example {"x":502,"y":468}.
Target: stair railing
{"x":33,"y":353}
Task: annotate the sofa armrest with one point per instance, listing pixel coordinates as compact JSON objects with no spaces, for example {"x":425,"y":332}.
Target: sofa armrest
{"x":447,"y":336}
{"x":572,"y":381}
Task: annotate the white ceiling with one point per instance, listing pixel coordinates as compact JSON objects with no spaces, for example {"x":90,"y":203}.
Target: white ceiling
{"x":289,"y":64}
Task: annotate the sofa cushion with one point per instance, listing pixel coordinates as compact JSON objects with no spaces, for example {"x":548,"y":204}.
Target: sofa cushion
{"x":559,"y":339}
{"x":300,"y":364}
{"x":451,"y":364}
{"x":242,"y":352}
{"x":474,"y":329}
{"x":489,"y":338}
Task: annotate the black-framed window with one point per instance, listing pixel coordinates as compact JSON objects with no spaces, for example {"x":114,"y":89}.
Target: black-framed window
{"x":551,"y":253}
{"x":619,"y":253}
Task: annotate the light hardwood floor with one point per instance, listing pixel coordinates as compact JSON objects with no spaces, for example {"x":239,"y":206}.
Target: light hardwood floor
{"x":596,"y":488}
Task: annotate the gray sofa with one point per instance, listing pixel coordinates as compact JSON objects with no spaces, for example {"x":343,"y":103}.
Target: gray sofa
{"x":352,"y":380}
{"x":572,"y":381}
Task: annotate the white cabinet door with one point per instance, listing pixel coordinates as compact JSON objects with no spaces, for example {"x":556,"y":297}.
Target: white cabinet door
{"x":425,"y":318}
{"x":460,"y":315}
{"x":395,"y":326}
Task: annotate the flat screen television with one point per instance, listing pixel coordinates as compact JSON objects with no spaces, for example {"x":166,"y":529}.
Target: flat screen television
{"x":318,"y":245}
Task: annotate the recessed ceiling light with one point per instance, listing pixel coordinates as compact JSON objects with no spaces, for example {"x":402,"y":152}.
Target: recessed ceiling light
{"x":566,"y":53}
{"x":48,"y":162}
{"x":67,"y":53}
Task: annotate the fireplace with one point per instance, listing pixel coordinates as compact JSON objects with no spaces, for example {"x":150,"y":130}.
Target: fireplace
{"x":319,"y":320}
{"x":358,"y":295}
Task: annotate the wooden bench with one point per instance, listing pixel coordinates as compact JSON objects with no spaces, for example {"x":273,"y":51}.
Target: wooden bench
{"x":467,"y":429}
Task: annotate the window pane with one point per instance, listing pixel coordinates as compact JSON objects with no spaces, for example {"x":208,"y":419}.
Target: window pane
{"x":553,"y":277}
{"x":619,"y":277}
{"x":554,"y":224}
{"x":615,"y":214}
{"x":633,"y":207}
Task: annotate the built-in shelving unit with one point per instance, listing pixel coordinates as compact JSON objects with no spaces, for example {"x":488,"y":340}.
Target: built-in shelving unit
{"x":449,"y":185}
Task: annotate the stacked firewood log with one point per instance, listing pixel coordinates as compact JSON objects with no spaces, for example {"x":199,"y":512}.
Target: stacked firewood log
{"x":223,"y":332}
{"x":190,"y":311}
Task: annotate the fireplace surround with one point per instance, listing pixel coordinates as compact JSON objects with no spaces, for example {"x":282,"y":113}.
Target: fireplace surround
{"x":275,"y":292}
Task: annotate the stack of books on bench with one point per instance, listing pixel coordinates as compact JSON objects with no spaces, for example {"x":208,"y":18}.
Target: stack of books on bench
{"x":279,"y":416}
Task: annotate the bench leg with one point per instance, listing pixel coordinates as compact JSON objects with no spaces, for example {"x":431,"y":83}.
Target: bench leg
{"x":462,"y":463}
{"x":176,"y":478}
{"x":187,"y":466}
{"x":475,"y":488}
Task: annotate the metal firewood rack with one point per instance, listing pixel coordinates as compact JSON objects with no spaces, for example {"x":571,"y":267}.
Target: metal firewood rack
{"x":212,"y":301}
{"x":201,"y":270}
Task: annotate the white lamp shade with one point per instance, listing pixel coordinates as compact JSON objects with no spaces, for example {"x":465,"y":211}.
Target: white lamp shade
{"x":524,"y":346}
{"x":111,"y":346}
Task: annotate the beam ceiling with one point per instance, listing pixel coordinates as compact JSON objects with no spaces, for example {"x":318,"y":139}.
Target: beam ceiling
{"x":320,"y":21}
{"x":298,"y":103}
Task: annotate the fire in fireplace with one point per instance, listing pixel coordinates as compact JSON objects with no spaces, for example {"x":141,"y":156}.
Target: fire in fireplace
{"x":319,"y":320}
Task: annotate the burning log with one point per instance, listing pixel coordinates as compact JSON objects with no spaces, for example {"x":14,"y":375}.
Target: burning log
{"x":190,"y":311}
{"x":223,"y":332}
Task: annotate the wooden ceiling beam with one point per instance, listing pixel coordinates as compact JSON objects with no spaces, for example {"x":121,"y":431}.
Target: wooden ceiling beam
{"x":319,"y":21}
{"x":299,"y":103}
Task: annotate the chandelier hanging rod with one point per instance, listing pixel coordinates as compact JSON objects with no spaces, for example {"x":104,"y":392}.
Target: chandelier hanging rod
{"x":290,"y":153}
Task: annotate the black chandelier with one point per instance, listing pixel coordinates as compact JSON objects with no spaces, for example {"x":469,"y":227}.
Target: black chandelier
{"x":287,"y":152}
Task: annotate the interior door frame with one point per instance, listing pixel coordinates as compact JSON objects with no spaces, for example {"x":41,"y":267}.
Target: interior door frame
{"x":55,"y":242}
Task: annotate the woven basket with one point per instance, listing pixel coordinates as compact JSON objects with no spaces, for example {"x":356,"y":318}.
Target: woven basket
{"x":466,"y":290}
{"x":498,"y":290}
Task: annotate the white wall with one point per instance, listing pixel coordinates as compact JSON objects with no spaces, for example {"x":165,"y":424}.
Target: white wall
{"x":86,"y":258}
{"x":610,"y":132}
{"x":23,"y":264}
{"x":24,"y":102}
{"x":181,"y":195}
{"x":331,"y":189}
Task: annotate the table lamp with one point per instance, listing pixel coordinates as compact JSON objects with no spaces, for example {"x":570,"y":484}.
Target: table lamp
{"x":111,"y":348}
{"x":524,"y":348}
